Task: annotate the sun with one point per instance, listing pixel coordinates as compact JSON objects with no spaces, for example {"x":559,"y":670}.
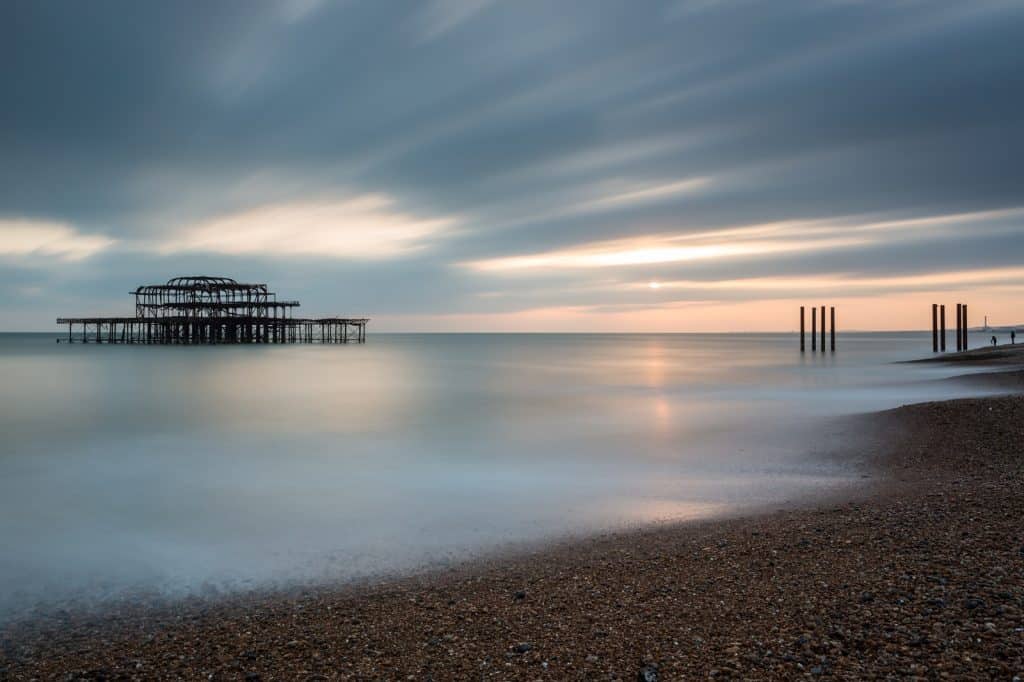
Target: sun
{"x":654,"y":285}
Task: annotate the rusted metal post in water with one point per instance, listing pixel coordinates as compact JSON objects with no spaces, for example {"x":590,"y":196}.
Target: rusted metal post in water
{"x":965,"y":326}
{"x":942,"y":327}
{"x":822,"y":329}
{"x":803,"y":342}
{"x":935,"y":327}
{"x":814,"y":328}
{"x":959,"y":324}
{"x":832,"y":327}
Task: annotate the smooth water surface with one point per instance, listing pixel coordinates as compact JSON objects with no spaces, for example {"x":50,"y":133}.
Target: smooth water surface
{"x":183,"y":469}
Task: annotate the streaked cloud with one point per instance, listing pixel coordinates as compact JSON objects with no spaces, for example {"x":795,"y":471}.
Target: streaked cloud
{"x":759,"y":240}
{"x":641,"y":194}
{"x":650,"y":251}
{"x":23,"y":238}
{"x":842,"y":284}
{"x":437,"y":17}
{"x":751,"y":240}
{"x":364,"y":227}
{"x":298,"y":10}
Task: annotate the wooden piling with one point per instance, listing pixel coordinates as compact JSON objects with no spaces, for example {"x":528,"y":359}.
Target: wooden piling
{"x":832,"y":328}
{"x":803,"y":343}
{"x":935,"y":327}
{"x":822,"y":329}
{"x":959,"y":326}
{"x":814,"y":328}
{"x":965,"y":326}
{"x":942,"y":328}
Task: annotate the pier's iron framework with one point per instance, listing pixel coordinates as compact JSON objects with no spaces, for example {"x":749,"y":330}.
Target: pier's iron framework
{"x":192,"y":310}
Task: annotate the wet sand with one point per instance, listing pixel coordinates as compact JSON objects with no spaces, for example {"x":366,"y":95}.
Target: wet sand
{"x":918,"y":573}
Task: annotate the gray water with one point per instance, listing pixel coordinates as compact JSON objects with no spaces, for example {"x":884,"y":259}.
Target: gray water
{"x":196,"y":469}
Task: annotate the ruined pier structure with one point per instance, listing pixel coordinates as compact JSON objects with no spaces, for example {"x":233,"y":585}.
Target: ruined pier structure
{"x":191,"y":310}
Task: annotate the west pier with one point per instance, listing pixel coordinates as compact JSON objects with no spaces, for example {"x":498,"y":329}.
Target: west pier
{"x":212,"y":310}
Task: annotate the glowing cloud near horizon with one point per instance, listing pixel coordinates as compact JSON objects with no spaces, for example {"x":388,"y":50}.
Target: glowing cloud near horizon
{"x":653,"y":250}
{"x":21,"y":238}
{"x":849,"y":283}
{"x":365,"y":227}
{"x":753,"y":240}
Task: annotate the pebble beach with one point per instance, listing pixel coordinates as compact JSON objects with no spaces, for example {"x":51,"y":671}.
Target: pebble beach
{"x":918,"y":573}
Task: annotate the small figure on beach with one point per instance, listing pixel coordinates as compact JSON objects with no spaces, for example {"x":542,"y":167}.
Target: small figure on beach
{"x":994,"y":342}
{"x":1013,"y":336}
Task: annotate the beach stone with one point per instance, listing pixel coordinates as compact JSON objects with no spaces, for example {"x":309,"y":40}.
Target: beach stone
{"x":519,"y":596}
{"x":523,"y":647}
{"x":648,"y":673}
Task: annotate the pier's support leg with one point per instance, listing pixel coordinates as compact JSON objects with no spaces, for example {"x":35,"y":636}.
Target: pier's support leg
{"x":814,"y":328}
{"x":935,"y":327}
{"x":942,"y":328}
{"x":803,"y":342}
{"x":965,"y":326}
{"x":832,"y":328}
{"x":822,"y":329}
{"x":959,"y":324}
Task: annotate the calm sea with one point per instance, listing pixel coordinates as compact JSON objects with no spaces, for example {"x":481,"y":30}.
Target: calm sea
{"x":205,"y":469}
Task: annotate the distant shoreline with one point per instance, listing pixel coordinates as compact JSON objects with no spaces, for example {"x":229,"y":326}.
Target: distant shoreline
{"x":919,"y":572}
{"x":995,"y":356}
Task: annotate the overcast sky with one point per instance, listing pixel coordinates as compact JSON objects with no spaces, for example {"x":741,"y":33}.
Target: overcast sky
{"x":553,"y":165}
